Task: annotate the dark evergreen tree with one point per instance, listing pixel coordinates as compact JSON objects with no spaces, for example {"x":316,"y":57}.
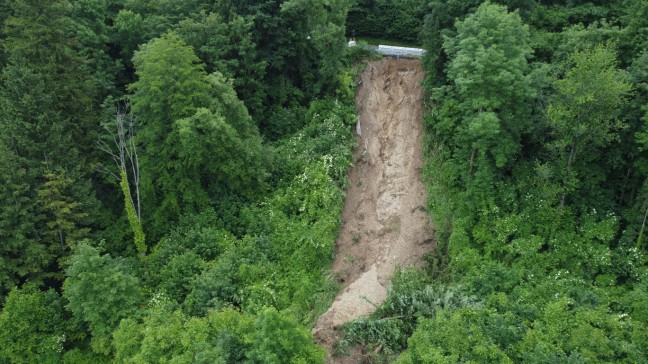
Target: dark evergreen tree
{"x":48,"y":126}
{"x":227,"y":46}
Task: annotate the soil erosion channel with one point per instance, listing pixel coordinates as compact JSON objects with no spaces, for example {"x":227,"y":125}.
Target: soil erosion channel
{"x":385,"y":224}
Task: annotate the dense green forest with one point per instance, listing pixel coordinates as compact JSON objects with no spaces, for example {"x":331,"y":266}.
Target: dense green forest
{"x":392,"y":19}
{"x":172,"y":174}
{"x":171,"y":177}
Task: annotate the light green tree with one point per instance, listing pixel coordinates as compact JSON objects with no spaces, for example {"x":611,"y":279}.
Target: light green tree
{"x":100,"y":291}
{"x":167,"y":335}
{"x":277,"y":339}
{"x":32,"y":327}
{"x":171,"y":86}
{"x":489,"y":69}
{"x":454,"y":336}
{"x":584,"y":112}
{"x":63,"y":213}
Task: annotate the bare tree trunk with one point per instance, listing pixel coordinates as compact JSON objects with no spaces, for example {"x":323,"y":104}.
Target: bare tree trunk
{"x":625,"y":184}
{"x":641,"y":232}
{"x":126,"y":153}
{"x":472,"y":161}
{"x":136,"y":171}
{"x":570,"y":159}
{"x":62,"y":240}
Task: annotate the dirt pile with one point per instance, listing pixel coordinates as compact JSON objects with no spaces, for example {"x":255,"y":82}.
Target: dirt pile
{"x":385,"y":225}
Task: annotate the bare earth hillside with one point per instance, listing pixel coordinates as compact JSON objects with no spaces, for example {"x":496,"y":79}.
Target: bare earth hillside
{"x":385,"y":225}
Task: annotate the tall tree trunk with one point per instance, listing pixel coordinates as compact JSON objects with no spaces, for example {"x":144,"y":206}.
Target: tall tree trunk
{"x":472,"y":161}
{"x":570,"y":160}
{"x":641,"y":232}
{"x":625,"y":184}
{"x":62,"y":238}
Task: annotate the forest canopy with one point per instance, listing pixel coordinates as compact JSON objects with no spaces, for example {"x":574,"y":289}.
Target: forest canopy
{"x":172,"y":174}
{"x":171,"y":178}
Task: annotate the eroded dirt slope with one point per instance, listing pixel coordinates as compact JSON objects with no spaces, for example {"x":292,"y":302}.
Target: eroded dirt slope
{"x":384,"y":220}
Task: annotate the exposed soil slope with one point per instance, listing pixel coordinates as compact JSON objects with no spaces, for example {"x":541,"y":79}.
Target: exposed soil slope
{"x":385,"y":225}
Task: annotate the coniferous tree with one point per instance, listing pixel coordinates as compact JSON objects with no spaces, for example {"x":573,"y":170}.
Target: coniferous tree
{"x":226,"y":45}
{"x":46,"y":100}
{"x":63,"y":214}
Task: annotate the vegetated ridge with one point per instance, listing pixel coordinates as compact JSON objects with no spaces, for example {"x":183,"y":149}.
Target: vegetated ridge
{"x":385,"y":224}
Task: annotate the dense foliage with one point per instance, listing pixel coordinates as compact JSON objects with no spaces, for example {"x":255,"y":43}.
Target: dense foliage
{"x":172,"y":174}
{"x":536,"y":171}
{"x":393,"y":19}
{"x":171,"y":178}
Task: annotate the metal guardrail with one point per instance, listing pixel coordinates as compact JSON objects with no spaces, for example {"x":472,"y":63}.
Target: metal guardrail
{"x":391,"y":50}
{"x":399,"y":51}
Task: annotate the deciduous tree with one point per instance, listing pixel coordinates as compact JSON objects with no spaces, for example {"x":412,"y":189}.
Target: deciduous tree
{"x":585,"y":110}
{"x":198,"y":141}
{"x":32,"y":326}
{"x":100,"y":291}
{"x":489,"y":69}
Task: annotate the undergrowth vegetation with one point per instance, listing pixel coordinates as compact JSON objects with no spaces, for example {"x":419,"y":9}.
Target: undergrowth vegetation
{"x":172,"y":175}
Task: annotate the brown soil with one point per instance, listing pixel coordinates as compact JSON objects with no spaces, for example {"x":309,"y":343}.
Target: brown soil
{"x":385,"y":225}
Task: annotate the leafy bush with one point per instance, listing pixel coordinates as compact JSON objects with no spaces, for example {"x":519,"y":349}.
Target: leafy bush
{"x":410,"y":298}
{"x":32,"y":327}
{"x":101,"y":291}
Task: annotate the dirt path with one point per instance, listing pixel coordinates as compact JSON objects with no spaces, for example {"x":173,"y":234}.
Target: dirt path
{"x":384,"y":220}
